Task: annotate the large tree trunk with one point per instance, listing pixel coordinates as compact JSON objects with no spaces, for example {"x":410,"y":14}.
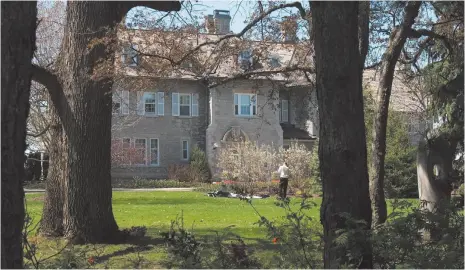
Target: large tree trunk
{"x":52,"y":214}
{"x":342,"y":146}
{"x":88,"y":215}
{"x":18,"y":45}
{"x":390,"y":57}
{"x":81,"y":94}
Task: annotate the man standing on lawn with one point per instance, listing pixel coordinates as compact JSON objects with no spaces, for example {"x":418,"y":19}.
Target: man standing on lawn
{"x":283,"y":180}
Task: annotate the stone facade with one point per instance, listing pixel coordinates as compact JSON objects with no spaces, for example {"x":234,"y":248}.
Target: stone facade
{"x":168,"y":129}
{"x":216,"y":121}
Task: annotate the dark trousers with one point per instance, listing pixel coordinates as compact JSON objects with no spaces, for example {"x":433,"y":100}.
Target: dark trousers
{"x":283,"y":187}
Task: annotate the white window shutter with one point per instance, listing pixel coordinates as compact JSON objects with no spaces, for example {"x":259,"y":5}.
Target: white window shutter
{"x":195,"y":104}
{"x":284,"y":111}
{"x":175,"y":104}
{"x":161,"y":103}
{"x":125,"y":102}
{"x":140,"y":103}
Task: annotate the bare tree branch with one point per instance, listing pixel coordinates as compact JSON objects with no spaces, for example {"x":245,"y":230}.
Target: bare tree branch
{"x":248,"y":74}
{"x":40,"y":133}
{"x":297,"y":5}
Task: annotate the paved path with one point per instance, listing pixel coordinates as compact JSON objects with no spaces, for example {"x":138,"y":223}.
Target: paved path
{"x":124,"y":189}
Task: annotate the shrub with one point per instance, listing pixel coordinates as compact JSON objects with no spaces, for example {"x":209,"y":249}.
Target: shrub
{"x":185,"y":251}
{"x":197,"y":171}
{"x":198,"y":166}
{"x":297,"y":236}
{"x":179,"y":172}
{"x":248,"y":163}
{"x":401,"y":242}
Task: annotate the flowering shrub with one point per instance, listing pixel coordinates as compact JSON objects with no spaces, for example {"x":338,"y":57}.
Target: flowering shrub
{"x":247,"y":163}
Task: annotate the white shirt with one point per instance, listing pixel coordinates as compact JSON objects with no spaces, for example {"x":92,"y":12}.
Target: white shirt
{"x":283,"y":171}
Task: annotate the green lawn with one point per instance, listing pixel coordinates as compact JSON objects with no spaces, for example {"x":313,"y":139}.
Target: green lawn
{"x":156,"y":209}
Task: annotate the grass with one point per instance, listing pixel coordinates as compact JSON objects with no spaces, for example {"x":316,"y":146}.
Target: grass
{"x":156,"y":209}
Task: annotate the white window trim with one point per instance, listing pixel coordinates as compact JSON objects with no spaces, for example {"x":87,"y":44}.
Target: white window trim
{"x":190,"y":104}
{"x":182,"y":150}
{"x":127,"y":52}
{"x":155,"y":103}
{"x":239,"y":105}
{"x":150,"y":152}
{"x":145,"y":164}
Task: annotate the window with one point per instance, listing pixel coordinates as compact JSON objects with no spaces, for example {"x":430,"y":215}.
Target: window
{"x":245,"y":104}
{"x":43,"y":106}
{"x":154,"y":157}
{"x":120,"y":102}
{"x":150,"y":101}
{"x":130,"y":56}
{"x":185,"y":150}
{"x":245,"y":59}
{"x":184,"y":104}
{"x":116,"y":107}
{"x":274,"y":62}
{"x":140,"y":152}
{"x":284,"y":114}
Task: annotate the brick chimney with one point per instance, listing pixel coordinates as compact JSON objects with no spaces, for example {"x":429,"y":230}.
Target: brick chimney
{"x":209,"y":24}
{"x":289,"y":29}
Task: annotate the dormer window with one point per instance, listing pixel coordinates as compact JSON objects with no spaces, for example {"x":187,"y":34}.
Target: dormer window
{"x":130,"y":57}
{"x":245,"y":60}
{"x":274,"y":61}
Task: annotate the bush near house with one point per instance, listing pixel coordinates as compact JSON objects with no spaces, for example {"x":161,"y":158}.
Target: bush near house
{"x":253,"y":167}
{"x":197,"y":171}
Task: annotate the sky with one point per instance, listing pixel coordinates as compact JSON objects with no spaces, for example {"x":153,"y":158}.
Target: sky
{"x":239,"y":11}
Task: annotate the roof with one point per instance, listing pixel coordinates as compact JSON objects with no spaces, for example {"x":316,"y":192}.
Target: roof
{"x":216,"y":60}
{"x":220,"y":61}
{"x":290,"y":132}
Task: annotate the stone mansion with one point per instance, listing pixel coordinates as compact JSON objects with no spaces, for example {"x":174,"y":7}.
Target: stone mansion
{"x":206,"y":102}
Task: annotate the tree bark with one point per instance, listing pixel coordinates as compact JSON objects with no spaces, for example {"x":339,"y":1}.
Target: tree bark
{"x":52,"y":214}
{"x":390,"y":57}
{"x":81,"y":94}
{"x":342,"y":146}
{"x":363,"y":31}
{"x":18,"y":45}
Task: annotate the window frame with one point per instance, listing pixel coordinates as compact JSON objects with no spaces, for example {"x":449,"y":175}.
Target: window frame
{"x":281,"y":118}
{"x":190,"y":103}
{"x":253,"y":105}
{"x":150,"y":152}
{"x":130,"y":51}
{"x":187,"y":150}
{"x":154,"y":103}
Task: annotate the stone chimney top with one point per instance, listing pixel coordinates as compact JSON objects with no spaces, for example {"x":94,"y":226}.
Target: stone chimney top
{"x":289,"y":29}
{"x":218,"y":23}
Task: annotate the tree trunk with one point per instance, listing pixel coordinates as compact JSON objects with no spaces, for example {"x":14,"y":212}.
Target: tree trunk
{"x":434,"y":189}
{"x":81,"y":93}
{"x":342,"y":146}
{"x":88,"y":215}
{"x":390,"y":57}
{"x":52,"y":214}
{"x":18,"y":45}
{"x":363,"y":31}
